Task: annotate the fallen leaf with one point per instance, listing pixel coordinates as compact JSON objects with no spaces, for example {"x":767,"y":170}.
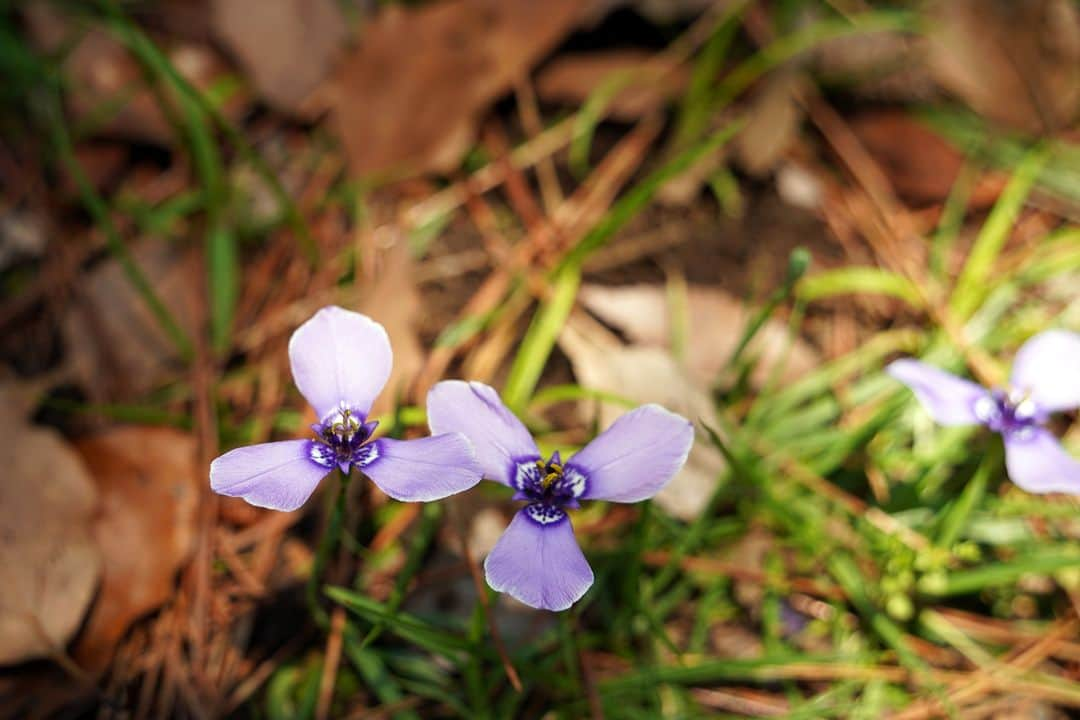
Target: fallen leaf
{"x":287,"y":47}
{"x":149,"y":488}
{"x":774,"y":119}
{"x":644,"y":375}
{"x":883,"y":66}
{"x":572,"y":78}
{"x":115,"y":347}
{"x":22,"y":236}
{"x":921,"y":166}
{"x":411,"y":94}
{"x":49,"y":563}
{"x":659,"y":12}
{"x":392,"y":300}
{"x":1016,"y":63}
{"x":716,"y":321}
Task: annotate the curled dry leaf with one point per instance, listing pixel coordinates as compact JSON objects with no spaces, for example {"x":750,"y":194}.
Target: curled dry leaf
{"x":287,"y":47}
{"x":49,"y":563}
{"x":715,"y":323}
{"x":573,"y":77}
{"x":410,"y":95}
{"x":647,"y":374}
{"x":149,"y":489}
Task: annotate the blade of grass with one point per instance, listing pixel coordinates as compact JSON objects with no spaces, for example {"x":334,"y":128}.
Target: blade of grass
{"x":540,"y":339}
{"x":956,"y":515}
{"x":962,"y":582}
{"x":973,"y":283}
{"x":859,"y":280}
{"x":99,"y":211}
{"x":221,"y":254}
{"x":426,"y":635}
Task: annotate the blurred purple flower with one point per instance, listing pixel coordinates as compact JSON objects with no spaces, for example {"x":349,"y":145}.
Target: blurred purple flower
{"x":1045,"y":378}
{"x":537,"y":560}
{"x":340,"y":361}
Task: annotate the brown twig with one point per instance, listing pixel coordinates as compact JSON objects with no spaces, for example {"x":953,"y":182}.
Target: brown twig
{"x":331,"y":660}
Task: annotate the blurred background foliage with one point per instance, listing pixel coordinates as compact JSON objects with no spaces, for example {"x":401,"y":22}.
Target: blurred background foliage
{"x":741,"y":209}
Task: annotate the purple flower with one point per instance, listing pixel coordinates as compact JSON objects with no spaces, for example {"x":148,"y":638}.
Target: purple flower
{"x":537,"y":560}
{"x":341,"y":361}
{"x":1045,"y":378}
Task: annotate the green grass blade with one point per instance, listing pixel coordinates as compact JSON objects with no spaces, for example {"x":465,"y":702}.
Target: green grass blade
{"x":859,"y":280}
{"x":540,"y":339}
{"x":99,"y":211}
{"x":974,"y":281}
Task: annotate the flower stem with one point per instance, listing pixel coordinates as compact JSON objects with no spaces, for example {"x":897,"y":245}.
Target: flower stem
{"x":327,"y":544}
{"x":952,"y":524}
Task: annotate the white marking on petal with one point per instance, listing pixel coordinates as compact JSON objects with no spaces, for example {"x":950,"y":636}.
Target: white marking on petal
{"x":544,"y":514}
{"x":527,"y":475}
{"x":1026,"y":409}
{"x":574,"y":481}
{"x":986,"y":409}
{"x":366,"y":455}
{"x":321,"y":454}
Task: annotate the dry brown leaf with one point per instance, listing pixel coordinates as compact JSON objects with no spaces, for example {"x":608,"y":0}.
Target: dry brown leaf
{"x":409,"y":97}
{"x":392,"y":300}
{"x":921,"y":166}
{"x":115,"y":347}
{"x":774,"y":119}
{"x":660,"y":12}
{"x":644,"y":375}
{"x":149,"y":489}
{"x":101,"y":73}
{"x":573,"y":77}
{"x":716,"y":321}
{"x":1017,"y":63}
{"x":49,"y":563}
{"x":889,"y":66}
{"x":287,"y":47}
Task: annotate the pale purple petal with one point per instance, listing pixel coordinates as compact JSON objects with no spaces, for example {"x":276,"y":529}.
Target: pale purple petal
{"x":540,"y":565}
{"x":1048,"y":367}
{"x":340,"y":357}
{"x":422,"y":470}
{"x":1037,"y":463}
{"x":950,"y":400}
{"x":635,"y":457}
{"x":475,"y":410}
{"x":277,"y":475}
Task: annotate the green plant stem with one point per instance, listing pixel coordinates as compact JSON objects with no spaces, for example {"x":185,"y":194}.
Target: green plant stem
{"x":331,"y":537}
{"x":952,"y":524}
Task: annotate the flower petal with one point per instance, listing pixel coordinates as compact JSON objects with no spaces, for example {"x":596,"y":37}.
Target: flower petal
{"x":474,"y":409}
{"x":635,"y":457}
{"x":1048,"y":366}
{"x":339,"y":356}
{"x":422,"y":470}
{"x":950,"y":400}
{"x":540,"y":565}
{"x":277,"y":475}
{"x":1037,"y":463}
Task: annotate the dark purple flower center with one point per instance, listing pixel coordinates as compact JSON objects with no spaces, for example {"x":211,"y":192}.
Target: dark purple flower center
{"x":341,"y":440}
{"x":1011,"y":413}
{"x":549,"y":487}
